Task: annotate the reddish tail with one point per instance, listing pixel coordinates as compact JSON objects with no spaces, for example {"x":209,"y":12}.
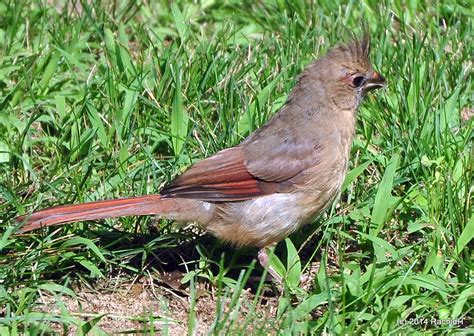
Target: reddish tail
{"x":141,"y":205}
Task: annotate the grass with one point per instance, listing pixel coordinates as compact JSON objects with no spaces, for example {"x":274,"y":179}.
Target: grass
{"x":106,"y":100}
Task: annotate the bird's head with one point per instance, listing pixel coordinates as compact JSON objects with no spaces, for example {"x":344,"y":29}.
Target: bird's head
{"x":345,"y":74}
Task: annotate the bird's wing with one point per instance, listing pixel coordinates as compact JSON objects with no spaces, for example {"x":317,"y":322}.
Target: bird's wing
{"x":221,"y":177}
{"x":245,"y":172}
{"x":278,"y":158}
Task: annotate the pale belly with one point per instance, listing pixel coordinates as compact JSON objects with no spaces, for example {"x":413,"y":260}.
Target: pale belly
{"x":265,"y":220}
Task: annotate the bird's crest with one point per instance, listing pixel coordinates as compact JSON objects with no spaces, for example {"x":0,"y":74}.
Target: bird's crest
{"x":356,"y":51}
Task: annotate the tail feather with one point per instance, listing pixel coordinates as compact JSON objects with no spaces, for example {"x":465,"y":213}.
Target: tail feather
{"x":134,"y":206}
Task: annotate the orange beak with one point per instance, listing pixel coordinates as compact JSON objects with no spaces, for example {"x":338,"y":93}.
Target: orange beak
{"x":376,"y":81}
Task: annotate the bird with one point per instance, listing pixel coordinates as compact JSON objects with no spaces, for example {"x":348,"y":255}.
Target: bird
{"x":281,"y":177}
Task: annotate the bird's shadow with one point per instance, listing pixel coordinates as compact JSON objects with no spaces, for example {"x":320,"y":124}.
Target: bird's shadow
{"x":173,"y":255}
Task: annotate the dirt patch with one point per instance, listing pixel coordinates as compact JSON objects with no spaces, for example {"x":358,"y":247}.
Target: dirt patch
{"x":143,"y":305}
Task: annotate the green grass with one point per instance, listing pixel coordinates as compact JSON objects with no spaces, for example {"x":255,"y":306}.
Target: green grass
{"x":106,"y":101}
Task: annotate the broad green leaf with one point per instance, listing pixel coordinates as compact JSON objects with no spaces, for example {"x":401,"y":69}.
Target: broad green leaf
{"x":417,"y":226}
{"x":4,"y":152}
{"x":188,"y":276}
{"x":293,"y":265}
{"x":123,"y":158}
{"x":49,"y":70}
{"x":60,"y":102}
{"x":354,"y":173}
{"x":399,"y":301}
{"x":110,"y":45}
{"x":466,"y":294}
{"x":431,"y":260}
{"x":122,"y":120}
{"x":412,"y":99}
{"x":93,"y":269}
{"x":381,"y":246}
{"x":86,"y":242}
{"x":466,"y":236}
{"x":450,"y":112}
{"x":352,"y":279}
{"x":180,"y":23}
{"x":72,"y":59}
{"x":97,"y":124}
{"x":307,"y":306}
{"x":383,"y":197}
{"x":123,"y":56}
{"x":427,"y":281}
{"x":275,"y":262}
{"x":55,"y":288}
{"x":283,"y":304}
{"x":5,"y":241}
{"x":91,"y":326}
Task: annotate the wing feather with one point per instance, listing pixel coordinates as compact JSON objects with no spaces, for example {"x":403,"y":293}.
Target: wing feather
{"x":222,"y":177}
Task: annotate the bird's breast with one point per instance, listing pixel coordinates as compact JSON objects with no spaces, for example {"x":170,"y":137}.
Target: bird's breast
{"x":260,"y":221}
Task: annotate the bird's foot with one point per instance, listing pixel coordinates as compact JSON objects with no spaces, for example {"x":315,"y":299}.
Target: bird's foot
{"x":264,"y":261}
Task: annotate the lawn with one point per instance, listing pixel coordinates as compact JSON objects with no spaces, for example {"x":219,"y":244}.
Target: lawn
{"x":114,"y":99}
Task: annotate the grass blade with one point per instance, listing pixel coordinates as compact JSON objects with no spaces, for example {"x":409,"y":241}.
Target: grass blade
{"x":384,"y":195}
{"x":179,"y":117}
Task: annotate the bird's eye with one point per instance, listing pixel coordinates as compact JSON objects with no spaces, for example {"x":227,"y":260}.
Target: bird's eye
{"x":357,"y":81}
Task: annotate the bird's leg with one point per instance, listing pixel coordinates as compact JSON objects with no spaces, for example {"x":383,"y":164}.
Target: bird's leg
{"x":264,"y":261}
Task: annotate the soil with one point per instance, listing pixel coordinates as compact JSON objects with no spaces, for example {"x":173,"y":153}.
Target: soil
{"x":145,"y":305}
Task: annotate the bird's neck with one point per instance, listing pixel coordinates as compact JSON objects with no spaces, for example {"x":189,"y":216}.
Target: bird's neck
{"x":346,"y":128}
{"x":338,"y":126}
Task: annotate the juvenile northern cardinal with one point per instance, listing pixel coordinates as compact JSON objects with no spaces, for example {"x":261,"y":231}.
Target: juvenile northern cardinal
{"x":279,"y":178}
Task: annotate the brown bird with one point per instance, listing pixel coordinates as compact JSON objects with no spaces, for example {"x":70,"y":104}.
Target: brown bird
{"x":279,"y":178}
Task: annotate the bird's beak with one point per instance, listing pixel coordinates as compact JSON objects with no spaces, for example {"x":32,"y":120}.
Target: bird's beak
{"x":376,"y":81}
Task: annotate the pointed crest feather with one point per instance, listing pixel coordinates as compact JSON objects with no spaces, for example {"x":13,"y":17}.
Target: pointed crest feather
{"x":356,"y":50}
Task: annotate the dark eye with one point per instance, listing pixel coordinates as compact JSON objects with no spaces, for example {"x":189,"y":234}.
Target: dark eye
{"x":357,"y":81}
